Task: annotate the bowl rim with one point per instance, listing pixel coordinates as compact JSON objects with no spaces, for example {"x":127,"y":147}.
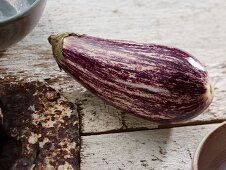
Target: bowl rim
{"x":196,"y":156}
{"x":19,"y":15}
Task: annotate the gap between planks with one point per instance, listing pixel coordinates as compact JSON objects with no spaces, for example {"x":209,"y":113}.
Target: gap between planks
{"x":169,"y":126}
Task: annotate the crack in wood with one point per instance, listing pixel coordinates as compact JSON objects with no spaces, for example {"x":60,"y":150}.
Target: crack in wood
{"x":159,"y":128}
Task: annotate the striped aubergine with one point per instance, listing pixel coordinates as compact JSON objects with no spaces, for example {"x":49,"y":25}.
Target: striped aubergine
{"x":155,"y":82}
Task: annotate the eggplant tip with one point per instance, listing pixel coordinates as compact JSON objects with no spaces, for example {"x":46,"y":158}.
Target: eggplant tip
{"x":58,"y":38}
{"x":51,"y":39}
{"x":210,"y":91}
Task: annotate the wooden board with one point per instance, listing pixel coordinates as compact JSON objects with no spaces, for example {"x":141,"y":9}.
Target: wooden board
{"x":170,"y":149}
{"x":196,"y":26}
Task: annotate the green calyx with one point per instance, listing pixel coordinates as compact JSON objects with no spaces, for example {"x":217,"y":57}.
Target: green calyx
{"x":57,"y":44}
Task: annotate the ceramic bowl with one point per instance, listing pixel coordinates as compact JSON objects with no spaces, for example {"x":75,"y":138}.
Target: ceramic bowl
{"x":211,"y":152}
{"x":17,"y":19}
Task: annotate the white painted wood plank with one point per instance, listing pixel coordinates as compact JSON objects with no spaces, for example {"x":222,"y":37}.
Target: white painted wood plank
{"x":167,"y":149}
{"x":197,"y":26}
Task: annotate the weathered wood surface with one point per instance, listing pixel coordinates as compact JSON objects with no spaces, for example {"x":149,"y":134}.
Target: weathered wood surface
{"x":160,"y":149}
{"x":195,"y":26}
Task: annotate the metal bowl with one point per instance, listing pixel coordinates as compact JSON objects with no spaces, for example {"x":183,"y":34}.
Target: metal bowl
{"x":211,"y":152}
{"x":17,"y":19}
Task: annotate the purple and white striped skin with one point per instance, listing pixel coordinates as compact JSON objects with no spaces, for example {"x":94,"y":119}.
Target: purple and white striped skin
{"x":156,"y":82}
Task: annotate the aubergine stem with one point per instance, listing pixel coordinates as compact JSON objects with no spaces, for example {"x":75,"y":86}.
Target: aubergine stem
{"x":57,"y":44}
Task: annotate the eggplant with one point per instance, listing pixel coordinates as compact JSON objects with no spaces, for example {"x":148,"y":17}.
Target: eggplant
{"x":156,"y":82}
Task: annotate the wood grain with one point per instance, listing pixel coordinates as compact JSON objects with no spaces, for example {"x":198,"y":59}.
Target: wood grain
{"x":195,"y":26}
{"x":170,"y":149}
